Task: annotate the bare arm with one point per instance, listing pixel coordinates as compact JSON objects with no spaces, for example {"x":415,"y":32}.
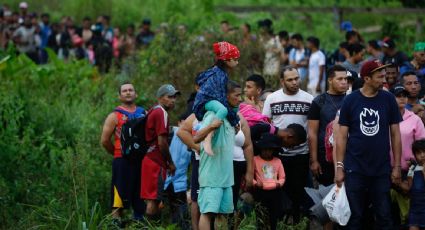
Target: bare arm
{"x":185,"y":133}
{"x":107,"y":132}
{"x":165,"y":152}
{"x":248,"y":151}
{"x":321,"y":73}
{"x":202,"y":133}
{"x":313,"y":130}
{"x":335,"y":133}
{"x":341,"y":144}
{"x":396,"y":147}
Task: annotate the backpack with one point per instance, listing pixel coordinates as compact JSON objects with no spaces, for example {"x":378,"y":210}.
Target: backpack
{"x":133,"y":143}
{"x":329,"y":141}
{"x":329,"y":134}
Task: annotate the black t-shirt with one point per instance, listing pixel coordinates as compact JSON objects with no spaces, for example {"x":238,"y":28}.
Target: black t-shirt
{"x":399,"y":59}
{"x":324,"y":108}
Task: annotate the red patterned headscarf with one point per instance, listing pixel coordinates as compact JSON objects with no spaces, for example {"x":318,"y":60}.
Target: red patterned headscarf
{"x":225,"y":51}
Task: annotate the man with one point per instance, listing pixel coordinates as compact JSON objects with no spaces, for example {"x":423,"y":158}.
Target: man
{"x":352,"y":37}
{"x":158,"y":158}
{"x":391,"y":54}
{"x":323,"y":110}
{"x":216,"y":172}
{"x":286,"y":47}
{"x":286,"y":106}
{"x":84,"y":31}
{"x":125,"y":186}
{"x":225,"y":28}
{"x":411,"y":83}
{"x":354,"y":62}
{"x":369,"y":119}
{"x":25,"y":39}
{"x":316,"y":67}
{"x":298,"y":57}
{"x":251,"y":108}
{"x":146,"y":36}
{"x":45,"y":32}
{"x":391,"y":76}
{"x":417,"y":64}
{"x":374,"y":50}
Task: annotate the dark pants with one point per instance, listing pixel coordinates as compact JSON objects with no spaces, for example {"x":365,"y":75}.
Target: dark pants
{"x":178,"y":207}
{"x":377,"y":188}
{"x":297,"y":172}
{"x":126,"y":179}
{"x":239,"y":169}
{"x":271,"y":207}
{"x":328,"y":171}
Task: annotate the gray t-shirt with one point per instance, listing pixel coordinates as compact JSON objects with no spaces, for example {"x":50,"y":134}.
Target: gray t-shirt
{"x":353,"y":67}
{"x":27,"y":38}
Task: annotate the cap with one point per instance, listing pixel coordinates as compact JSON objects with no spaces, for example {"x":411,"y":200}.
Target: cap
{"x":369,"y":67}
{"x":352,"y":74}
{"x":268,"y":141}
{"x":388,"y":43}
{"x":398,"y":89}
{"x":419,"y":47}
{"x":23,"y":5}
{"x":166,"y":89}
{"x":346,"y":25}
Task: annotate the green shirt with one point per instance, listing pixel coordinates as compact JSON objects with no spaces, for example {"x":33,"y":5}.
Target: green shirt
{"x":217,"y":170}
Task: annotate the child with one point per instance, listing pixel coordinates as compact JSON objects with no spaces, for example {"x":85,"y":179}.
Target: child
{"x":176,"y":185}
{"x":416,"y":183}
{"x":269,"y":177}
{"x":213,"y":88}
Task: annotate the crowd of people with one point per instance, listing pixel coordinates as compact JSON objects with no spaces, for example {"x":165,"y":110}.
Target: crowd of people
{"x":93,"y":39}
{"x":352,"y":117}
{"x":267,"y":148}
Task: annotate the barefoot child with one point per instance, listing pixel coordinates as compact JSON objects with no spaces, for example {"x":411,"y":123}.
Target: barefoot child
{"x":269,"y":177}
{"x":212,"y":93}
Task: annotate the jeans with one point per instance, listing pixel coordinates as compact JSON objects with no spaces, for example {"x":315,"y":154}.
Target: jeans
{"x":359,"y":187}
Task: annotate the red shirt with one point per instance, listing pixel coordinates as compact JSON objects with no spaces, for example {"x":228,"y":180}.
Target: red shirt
{"x":156,"y":125}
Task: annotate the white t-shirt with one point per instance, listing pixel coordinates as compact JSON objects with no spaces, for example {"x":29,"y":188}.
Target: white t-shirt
{"x":316,"y":60}
{"x":285,"y":109}
{"x":237,"y":150}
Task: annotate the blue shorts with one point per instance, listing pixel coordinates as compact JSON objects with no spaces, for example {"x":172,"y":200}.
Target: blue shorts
{"x":215,"y":200}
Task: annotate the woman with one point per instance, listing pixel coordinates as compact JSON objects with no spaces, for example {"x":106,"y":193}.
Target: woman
{"x":411,"y":129}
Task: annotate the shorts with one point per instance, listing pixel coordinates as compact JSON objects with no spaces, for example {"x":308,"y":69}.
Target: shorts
{"x":215,"y":200}
{"x":125,"y":186}
{"x":153,"y":178}
{"x":194,"y":182}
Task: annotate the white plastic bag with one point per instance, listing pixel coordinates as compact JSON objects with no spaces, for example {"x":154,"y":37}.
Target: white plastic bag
{"x":336,"y":205}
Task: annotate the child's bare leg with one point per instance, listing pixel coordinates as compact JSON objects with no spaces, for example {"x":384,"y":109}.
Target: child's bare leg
{"x":207,"y":144}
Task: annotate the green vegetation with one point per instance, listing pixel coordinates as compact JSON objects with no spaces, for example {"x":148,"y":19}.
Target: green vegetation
{"x":54,"y":174}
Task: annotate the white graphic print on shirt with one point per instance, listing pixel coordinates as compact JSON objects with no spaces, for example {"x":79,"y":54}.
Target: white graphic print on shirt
{"x":369,"y":122}
{"x":290,"y":107}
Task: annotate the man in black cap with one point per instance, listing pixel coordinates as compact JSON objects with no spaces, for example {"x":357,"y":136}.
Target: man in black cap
{"x":391,"y":54}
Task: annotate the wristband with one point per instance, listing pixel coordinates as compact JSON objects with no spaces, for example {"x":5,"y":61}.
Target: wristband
{"x":340,"y":166}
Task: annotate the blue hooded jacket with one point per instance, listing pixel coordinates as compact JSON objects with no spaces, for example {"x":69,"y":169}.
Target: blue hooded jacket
{"x":181,"y":158}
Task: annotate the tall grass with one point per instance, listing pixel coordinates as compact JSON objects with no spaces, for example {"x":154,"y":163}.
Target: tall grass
{"x":54,"y":174}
